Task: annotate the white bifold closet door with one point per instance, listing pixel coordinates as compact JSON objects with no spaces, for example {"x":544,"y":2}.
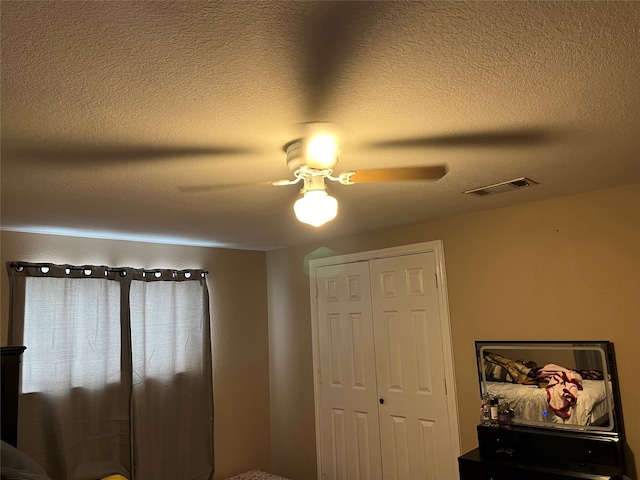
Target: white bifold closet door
{"x":383,"y":394}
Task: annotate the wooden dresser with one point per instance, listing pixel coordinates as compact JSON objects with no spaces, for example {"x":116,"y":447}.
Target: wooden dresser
{"x":532,"y":454}
{"x":11,"y":357}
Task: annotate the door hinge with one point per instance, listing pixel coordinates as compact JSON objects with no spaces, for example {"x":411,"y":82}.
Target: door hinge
{"x":316,"y":289}
{"x":436,"y":275}
{"x":445,"y":385}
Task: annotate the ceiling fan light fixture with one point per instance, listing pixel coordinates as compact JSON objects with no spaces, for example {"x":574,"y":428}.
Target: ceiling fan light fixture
{"x":322,"y":151}
{"x":316,"y":207}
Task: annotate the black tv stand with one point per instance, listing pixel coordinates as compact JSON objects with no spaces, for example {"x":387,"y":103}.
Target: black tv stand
{"x":537,"y":454}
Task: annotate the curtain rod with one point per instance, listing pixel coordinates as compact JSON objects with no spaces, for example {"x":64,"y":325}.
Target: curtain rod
{"x":18,"y":265}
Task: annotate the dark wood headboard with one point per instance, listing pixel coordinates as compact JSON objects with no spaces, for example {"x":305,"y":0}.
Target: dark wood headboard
{"x":11,"y":357}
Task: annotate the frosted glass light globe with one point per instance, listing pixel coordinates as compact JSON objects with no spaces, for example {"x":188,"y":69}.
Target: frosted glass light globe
{"x":316,"y":208}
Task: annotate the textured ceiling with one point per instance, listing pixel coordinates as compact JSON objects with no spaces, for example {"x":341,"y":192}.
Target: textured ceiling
{"x":110,"y":108}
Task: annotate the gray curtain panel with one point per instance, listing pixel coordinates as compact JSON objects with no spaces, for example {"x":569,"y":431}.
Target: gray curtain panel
{"x":117,"y":374}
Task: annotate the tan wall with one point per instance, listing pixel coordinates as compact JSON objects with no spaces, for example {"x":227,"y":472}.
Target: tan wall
{"x":237,"y":288}
{"x":563,"y":269}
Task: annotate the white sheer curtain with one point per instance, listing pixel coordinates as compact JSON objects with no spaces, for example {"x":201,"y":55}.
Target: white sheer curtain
{"x":85,"y":324}
{"x":177,"y":312}
{"x":116,"y":376}
{"x":169,"y":331}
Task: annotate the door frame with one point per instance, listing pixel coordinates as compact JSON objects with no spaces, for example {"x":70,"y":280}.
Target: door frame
{"x":436,"y":247}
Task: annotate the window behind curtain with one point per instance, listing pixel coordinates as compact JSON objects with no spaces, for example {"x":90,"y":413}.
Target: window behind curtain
{"x":72,"y":329}
{"x":170,"y":344}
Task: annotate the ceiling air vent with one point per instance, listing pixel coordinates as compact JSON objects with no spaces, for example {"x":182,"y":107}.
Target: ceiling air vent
{"x":502,"y":187}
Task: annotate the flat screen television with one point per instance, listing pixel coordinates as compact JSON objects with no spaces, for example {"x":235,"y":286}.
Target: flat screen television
{"x":562,"y":385}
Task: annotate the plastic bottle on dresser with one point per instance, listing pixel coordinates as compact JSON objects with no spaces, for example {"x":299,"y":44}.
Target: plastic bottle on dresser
{"x":485,"y":415}
{"x":493,"y":410}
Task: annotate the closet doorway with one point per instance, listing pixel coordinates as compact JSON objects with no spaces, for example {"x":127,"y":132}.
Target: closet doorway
{"x":383,"y":369}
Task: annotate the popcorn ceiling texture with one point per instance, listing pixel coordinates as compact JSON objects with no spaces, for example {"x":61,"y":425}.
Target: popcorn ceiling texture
{"x":108,"y":106}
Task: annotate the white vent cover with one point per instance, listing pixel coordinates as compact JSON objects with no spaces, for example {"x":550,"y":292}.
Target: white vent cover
{"x":502,"y":187}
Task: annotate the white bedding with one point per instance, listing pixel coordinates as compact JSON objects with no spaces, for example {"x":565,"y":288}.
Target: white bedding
{"x":256,"y":475}
{"x":529,"y":402}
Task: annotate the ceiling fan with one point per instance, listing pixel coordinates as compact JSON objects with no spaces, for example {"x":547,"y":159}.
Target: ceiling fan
{"x":312,"y":160}
{"x":327,"y":36}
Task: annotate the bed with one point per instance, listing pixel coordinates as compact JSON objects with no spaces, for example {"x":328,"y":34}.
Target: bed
{"x":530,"y":403}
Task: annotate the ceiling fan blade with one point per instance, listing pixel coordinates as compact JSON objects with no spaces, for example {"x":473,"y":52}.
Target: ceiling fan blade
{"x":112,"y":154}
{"x":398,"y":174}
{"x":328,"y":43}
{"x":504,"y":138}
{"x":221,"y":186}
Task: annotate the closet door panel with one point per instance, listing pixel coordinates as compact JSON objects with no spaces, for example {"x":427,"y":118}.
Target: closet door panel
{"x":349,"y":402}
{"x":414,"y":425}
